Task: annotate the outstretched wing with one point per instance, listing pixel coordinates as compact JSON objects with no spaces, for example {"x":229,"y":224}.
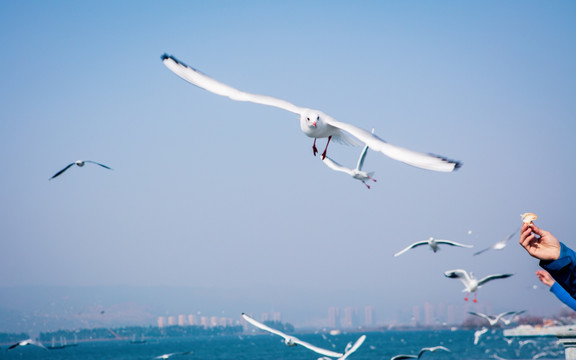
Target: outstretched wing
{"x":511,"y":235}
{"x":94,"y":162}
{"x":402,"y":357}
{"x":417,"y":159}
{"x":360,"y":163}
{"x":264,"y":327}
{"x":61,"y":171}
{"x":484,"y":316}
{"x":317,"y":349}
{"x":481,"y":251}
{"x":453,"y":243}
{"x":354,"y":347}
{"x":432,"y":349}
{"x":207,"y":83}
{"x":493,"y":277}
{"x":335,"y":166}
{"x":459,"y":274}
{"x":411,"y":246}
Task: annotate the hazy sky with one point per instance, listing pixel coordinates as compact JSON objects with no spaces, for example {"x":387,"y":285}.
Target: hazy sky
{"x":211,"y":193}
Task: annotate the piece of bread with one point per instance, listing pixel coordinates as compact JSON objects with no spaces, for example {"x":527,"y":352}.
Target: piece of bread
{"x":527,"y":218}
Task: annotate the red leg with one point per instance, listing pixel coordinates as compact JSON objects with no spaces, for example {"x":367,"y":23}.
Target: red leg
{"x":314,"y":148}
{"x":475,"y":298}
{"x":466,"y":298}
{"x":326,"y":149}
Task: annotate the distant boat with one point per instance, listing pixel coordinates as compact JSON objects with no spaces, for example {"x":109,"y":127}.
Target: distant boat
{"x":137,"y":341}
{"x":55,"y":346}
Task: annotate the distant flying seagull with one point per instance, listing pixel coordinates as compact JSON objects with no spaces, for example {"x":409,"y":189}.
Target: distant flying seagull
{"x":356,"y":173}
{"x":470,"y":282}
{"x":314,"y":123}
{"x":493,"y":320}
{"x":79,"y":163}
{"x":422,"y":351}
{"x":434,"y":245}
{"x":499,"y":245}
{"x":26,"y":343}
{"x":291,"y":340}
{"x":478,"y":334}
{"x":166,"y":356}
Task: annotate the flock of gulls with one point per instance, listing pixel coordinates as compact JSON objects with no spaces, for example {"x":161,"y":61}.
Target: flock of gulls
{"x":316,"y":124}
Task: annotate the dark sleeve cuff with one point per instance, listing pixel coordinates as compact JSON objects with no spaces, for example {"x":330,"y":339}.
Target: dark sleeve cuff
{"x":558,"y":264}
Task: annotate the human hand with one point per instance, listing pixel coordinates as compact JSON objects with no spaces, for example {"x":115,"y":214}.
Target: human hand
{"x":546,"y":247}
{"x":545,"y":277}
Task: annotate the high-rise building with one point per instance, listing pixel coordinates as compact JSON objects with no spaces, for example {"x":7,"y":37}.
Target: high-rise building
{"x":192,"y":319}
{"x":171,"y":321}
{"x":415,"y":315}
{"x":181,"y":320}
{"x":213,"y":321}
{"x":276,"y":316}
{"x":369,"y":316}
{"x":161,"y":321}
{"x":204,"y":321}
{"x":333,"y":317}
{"x":428,"y":314}
{"x":349,"y":318}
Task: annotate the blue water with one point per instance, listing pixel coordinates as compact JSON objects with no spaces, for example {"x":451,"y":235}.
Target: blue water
{"x":378,"y":345}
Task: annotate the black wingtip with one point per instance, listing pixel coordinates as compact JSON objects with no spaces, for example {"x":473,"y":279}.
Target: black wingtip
{"x":165,"y":56}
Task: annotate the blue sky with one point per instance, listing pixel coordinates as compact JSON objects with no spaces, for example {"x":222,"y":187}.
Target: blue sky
{"x":211,"y":193}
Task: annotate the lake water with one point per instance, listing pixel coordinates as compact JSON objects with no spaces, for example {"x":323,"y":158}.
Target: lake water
{"x":378,"y":345}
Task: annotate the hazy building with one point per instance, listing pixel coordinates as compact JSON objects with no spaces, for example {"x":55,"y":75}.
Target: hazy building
{"x":415,"y":315}
{"x":369,"y":316}
{"x":276,"y":316}
{"x":181,"y":320}
{"x":428,"y":314}
{"x":171,"y":321}
{"x":333,"y":317}
{"x":161,"y":321}
{"x":350,"y":317}
{"x":192,"y":319}
{"x":204,"y":321}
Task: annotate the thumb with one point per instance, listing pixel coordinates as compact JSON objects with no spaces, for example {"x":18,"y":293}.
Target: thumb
{"x":536,"y":230}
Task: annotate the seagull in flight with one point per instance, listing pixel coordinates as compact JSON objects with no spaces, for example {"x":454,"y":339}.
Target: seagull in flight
{"x":314,"y":123}
{"x":79,"y":163}
{"x":356,"y":173}
{"x":478,"y":334}
{"x":470,"y":282}
{"x":434,"y":245}
{"x":499,"y":245}
{"x":26,"y":343}
{"x":493,"y":320}
{"x":291,"y":340}
{"x":422,"y":351}
{"x":167,"y":356}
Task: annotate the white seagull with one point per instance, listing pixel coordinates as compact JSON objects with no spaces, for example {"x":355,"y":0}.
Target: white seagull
{"x":470,"y":282}
{"x":26,"y":343}
{"x":478,"y":334}
{"x":493,"y":320}
{"x":356,"y":173}
{"x":422,"y":351}
{"x":79,"y":163}
{"x":314,"y":123}
{"x":291,"y":340}
{"x":434,"y":245}
{"x":499,"y":245}
{"x":166,"y":356}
